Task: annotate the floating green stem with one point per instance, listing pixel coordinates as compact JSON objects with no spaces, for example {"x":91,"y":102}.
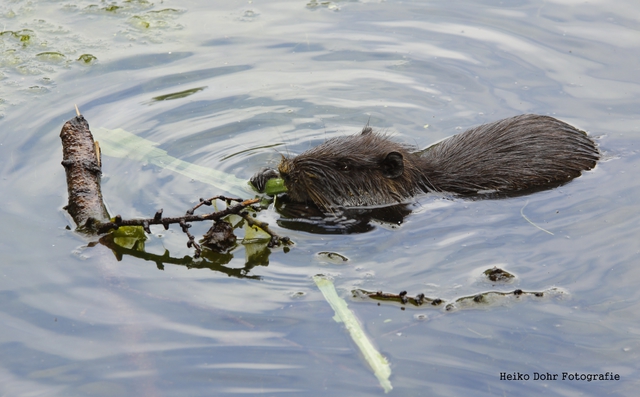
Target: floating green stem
{"x":376,"y":361}
{"x":123,"y":144}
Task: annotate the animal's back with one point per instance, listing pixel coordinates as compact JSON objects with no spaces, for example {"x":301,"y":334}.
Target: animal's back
{"x":510,"y":155}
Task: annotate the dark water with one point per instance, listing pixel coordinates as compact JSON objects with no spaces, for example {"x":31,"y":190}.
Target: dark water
{"x":216,"y":84}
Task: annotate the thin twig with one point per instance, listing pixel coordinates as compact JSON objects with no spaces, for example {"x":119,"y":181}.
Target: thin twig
{"x":158,"y":220}
{"x":210,"y":201}
{"x":275,"y":239}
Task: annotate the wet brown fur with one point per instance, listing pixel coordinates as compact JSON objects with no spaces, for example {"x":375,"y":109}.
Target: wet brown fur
{"x":507,"y":156}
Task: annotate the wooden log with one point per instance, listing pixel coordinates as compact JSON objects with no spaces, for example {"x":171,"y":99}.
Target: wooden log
{"x":81,"y":160}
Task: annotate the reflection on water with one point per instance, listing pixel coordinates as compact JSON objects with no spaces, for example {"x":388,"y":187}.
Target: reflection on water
{"x":280,"y":77}
{"x":214,"y":261}
{"x":309,"y":218}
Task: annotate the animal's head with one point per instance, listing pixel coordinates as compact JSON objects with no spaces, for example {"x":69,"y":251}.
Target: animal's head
{"x":360,"y":170}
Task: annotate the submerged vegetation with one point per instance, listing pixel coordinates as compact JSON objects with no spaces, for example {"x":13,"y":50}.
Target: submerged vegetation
{"x":34,"y":51}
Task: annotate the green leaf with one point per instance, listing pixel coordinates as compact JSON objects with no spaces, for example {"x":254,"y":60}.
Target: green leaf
{"x":254,"y":233}
{"x":130,"y":237}
{"x":274,"y":186}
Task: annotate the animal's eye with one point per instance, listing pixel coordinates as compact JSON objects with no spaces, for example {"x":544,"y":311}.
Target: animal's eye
{"x":343,"y":166}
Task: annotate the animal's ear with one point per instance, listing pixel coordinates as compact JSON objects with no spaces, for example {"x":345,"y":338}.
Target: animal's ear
{"x":393,"y":165}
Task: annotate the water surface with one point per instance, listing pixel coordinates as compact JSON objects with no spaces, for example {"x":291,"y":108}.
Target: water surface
{"x":232,"y":85}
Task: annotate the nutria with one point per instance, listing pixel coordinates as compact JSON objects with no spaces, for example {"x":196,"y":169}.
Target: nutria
{"x":510,"y":156}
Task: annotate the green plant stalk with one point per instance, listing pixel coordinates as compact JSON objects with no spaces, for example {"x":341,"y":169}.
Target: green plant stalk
{"x":376,"y":361}
{"x":123,"y":144}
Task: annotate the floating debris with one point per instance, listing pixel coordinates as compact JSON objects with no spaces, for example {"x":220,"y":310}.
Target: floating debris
{"x":498,"y":275}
